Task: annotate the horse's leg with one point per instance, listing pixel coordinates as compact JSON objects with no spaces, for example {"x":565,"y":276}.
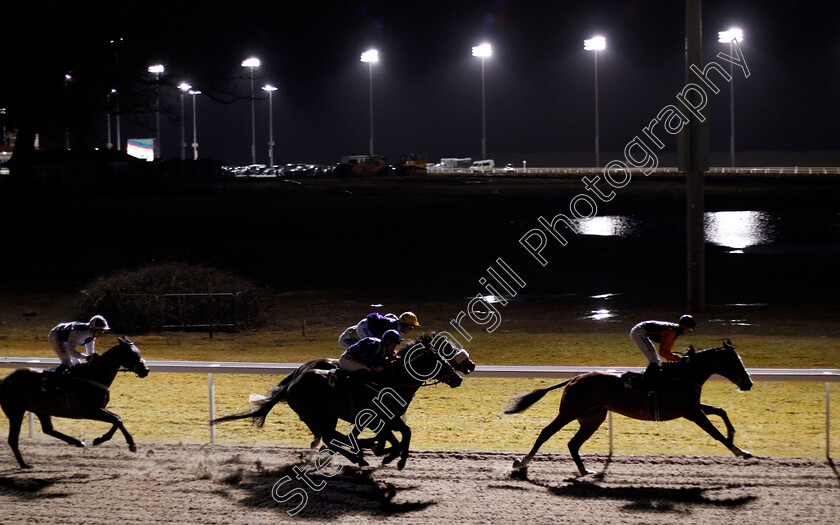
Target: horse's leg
{"x":47,"y":427}
{"x":109,"y":417}
{"x":399,"y":448}
{"x":334,"y":439}
{"x":717,"y":411}
{"x":316,"y":436}
{"x":700,"y":419}
{"x":589,"y":423}
{"x":15,"y":420}
{"x":521,"y":465}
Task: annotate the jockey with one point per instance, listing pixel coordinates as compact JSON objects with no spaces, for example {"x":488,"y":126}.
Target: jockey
{"x":374,"y":325}
{"x":66,"y":337}
{"x":371,"y":353}
{"x":646,"y":333}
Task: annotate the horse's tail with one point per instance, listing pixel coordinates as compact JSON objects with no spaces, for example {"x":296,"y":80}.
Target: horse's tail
{"x":262,"y":405}
{"x":524,"y":401}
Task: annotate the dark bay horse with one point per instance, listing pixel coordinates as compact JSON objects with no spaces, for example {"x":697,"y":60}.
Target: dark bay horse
{"x":84,"y":395}
{"x":590,"y":396}
{"x":377,"y":404}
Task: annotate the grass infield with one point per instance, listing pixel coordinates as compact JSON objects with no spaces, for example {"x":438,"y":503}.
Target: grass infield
{"x":784,"y":419}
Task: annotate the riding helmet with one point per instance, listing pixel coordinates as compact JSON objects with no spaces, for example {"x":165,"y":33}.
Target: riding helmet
{"x":391,"y":336}
{"x":409,"y":318}
{"x":688,"y":321}
{"x":97,"y":322}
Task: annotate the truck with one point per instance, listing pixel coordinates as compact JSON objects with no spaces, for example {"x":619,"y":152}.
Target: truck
{"x":409,"y":164}
{"x":455,"y":164}
{"x":362,"y":165}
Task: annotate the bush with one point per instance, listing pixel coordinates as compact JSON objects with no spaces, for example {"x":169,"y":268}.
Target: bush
{"x":176,"y":296}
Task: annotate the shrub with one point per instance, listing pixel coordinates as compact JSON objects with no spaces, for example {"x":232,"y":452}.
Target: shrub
{"x":176,"y":296}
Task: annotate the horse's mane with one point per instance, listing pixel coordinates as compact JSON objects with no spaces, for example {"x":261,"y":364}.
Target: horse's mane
{"x":424,"y":339}
{"x":692,"y":354}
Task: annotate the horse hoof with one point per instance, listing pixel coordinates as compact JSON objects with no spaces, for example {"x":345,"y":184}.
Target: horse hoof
{"x":517,"y":463}
{"x":24,"y":465}
{"x":521,"y":473}
{"x":747,"y":455}
{"x":82,"y":444}
{"x":401,"y":463}
{"x":132,"y":448}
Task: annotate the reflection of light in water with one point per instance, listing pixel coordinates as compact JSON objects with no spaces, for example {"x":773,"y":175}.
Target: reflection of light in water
{"x":738,"y":229}
{"x":603,"y":296}
{"x":495,"y":299}
{"x":599,"y":315}
{"x":607,"y":226}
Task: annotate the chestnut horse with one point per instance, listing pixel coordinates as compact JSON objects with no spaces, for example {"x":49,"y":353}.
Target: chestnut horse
{"x":83,"y":395}
{"x":590,"y":396}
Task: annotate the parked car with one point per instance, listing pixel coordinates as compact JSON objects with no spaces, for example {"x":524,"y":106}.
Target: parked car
{"x":509,"y":168}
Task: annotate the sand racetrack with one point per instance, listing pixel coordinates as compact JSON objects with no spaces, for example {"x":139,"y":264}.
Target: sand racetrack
{"x":227,"y":484}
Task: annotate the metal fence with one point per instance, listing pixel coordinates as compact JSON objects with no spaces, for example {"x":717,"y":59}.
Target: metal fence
{"x":175,"y":311}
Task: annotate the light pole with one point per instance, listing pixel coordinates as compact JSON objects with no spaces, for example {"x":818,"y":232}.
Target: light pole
{"x":195,"y":139}
{"x":371,"y":56}
{"x":115,"y":94}
{"x":109,"y":144}
{"x":67,"y":79}
{"x":596,"y":44}
{"x":184,"y":87}
{"x":483,"y":51}
{"x":157,"y":69}
{"x":728,"y":37}
{"x":270,"y":89}
{"x":252,"y":63}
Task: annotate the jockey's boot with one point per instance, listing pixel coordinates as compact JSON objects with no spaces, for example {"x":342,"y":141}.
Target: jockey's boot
{"x":652,"y":378}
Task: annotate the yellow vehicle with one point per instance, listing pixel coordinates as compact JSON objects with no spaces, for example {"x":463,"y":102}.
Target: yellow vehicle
{"x":363,"y":165}
{"x":409,"y":164}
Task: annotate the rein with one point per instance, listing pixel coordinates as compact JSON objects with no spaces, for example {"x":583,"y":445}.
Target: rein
{"x":98,"y":384}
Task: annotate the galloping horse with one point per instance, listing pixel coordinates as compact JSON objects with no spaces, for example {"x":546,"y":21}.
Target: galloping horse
{"x":81,"y":396}
{"x":590,"y":396}
{"x":320,"y":406}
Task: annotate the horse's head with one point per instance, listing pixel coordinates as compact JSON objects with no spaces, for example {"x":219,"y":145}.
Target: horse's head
{"x":732,"y":367}
{"x":422,"y":363}
{"x":126,"y":354}
{"x":459,"y":358}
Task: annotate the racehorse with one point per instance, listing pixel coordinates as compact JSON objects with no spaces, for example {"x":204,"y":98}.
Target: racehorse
{"x":83,"y":395}
{"x":588,"y":398}
{"x":320,"y":406}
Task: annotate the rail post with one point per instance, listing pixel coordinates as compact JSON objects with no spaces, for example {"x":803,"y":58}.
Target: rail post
{"x":828,"y":420}
{"x":212,"y":395}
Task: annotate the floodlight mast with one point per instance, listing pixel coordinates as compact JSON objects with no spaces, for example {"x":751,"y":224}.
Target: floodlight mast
{"x":183,"y":87}
{"x":270,"y":89}
{"x":157,"y":70}
{"x":596,"y":44}
{"x":730,"y":36}
{"x":252,"y":63}
{"x":483,"y":51}
{"x":194,"y":92}
{"x":370,"y":57}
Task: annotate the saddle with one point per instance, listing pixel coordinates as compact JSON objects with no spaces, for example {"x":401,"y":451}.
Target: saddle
{"x":633,"y":380}
{"x":638,"y":382}
{"x":344,"y":380}
{"x":61,"y":376}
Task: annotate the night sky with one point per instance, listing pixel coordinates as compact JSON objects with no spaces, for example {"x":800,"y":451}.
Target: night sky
{"x":427,"y":86}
